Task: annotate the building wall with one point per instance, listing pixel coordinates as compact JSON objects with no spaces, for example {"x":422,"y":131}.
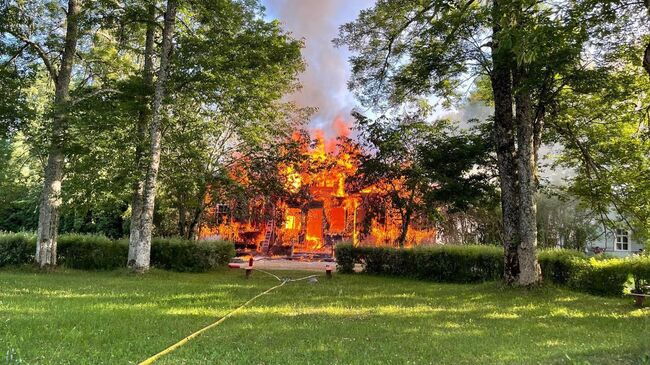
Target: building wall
{"x":608,"y":241}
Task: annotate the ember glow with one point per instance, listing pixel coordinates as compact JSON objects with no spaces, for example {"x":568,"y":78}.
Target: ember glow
{"x":331,"y":212}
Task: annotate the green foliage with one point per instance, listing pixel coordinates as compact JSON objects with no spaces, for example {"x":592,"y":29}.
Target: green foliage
{"x":96,"y":252}
{"x":460,"y":264}
{"x":17,"y":248}
{"x":403,"y":51}
{"x":19,"y":185}
{"x":465,"y":264}
{"x":197,"y":256}
{"x":557,"y":265}
{"x":607,"y":276}
{"x":609,"y":151}
{"x":564,"y":221}
{"x":229,"y":71}
{"x":345,"y":258}
{"x":422,"y":168}
{"x":601,"y":277}
{"x":91,"y":252}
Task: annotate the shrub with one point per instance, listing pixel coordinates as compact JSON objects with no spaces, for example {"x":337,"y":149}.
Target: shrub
{"x":91,"y":252}
{"x":558,"y":264}
{"x":466,"y":264}
{"x":640,"y":269}
{"x":94,"y":252}
{"x":600,"y":277}
{"x":17,"y":248}
{"x":183,"y":255}
{"x":439,"y":263}
{"x":463,"y":264}
{"x":345,"y":259}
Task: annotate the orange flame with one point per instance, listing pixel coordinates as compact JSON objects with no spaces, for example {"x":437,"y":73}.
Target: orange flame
{"x":332,"y":214}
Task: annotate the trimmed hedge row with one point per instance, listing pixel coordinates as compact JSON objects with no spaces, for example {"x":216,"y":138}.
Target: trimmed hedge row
{"x":93,"y":252}
{"x":16,"y":248}
{"x":461,"y":264}
{"x":600,"y":275}
{"x":465,"y":264}
{"x":184,"y":255}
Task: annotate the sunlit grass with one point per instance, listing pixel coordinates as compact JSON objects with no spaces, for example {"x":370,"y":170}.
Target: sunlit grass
{"x":73,"y":317}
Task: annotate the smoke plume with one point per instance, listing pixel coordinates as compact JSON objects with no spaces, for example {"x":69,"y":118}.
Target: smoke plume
{"x":325,"y":79}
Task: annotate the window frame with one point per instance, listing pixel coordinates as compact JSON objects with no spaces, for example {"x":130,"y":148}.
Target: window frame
{"x":621,"y":234}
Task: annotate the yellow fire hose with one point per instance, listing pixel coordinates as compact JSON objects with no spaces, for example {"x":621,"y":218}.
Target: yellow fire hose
{"x":185,"y":340}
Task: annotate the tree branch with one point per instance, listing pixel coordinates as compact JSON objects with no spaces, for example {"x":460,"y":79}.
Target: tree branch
{"x":40,"y":51}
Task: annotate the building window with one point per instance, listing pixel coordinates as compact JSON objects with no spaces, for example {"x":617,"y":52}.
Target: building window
{"x":622,"y":240}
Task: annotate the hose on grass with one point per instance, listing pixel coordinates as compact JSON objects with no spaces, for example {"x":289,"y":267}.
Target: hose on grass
{"x":185,"y":340}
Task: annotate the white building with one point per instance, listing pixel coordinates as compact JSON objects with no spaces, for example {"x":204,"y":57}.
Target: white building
{"x":617,"y":242}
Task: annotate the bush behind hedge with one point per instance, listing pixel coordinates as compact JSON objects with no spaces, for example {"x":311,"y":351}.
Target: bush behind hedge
{"x":96,"y":252}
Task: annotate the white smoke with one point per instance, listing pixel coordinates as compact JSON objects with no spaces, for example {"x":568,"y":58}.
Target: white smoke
{"x":325,"y":79}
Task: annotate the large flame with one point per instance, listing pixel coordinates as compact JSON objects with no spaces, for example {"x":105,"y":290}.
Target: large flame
{"x":332,"y":214}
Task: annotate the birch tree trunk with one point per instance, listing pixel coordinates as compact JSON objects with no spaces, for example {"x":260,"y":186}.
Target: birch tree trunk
{"x":504,"y":136}
{"x":144,"y":223}
{"x":48,"y":215}
{"x":530,"y":273}
{"x":141,"y":132}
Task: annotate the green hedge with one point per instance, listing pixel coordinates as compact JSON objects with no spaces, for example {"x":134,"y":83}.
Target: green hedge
{"x":184,"y":255}
{"x":93,"y":252}
{"x":601,"y":276}
{"x":17,"y":248}
{"x":558,"y":265}
{"x":462,"y":264}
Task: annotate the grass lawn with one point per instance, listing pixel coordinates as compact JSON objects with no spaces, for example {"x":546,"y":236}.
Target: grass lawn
{"x":74,"y":317}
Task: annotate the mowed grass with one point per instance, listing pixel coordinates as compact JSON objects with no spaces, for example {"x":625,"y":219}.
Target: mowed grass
{"x":74,"y":317}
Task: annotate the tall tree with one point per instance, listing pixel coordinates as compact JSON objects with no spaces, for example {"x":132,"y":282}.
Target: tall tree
{"x":230,"y":86}
{"x":602,"y":122}
{"x":421,"y":168}
{"x":504,"y":139}
{"x":142,"y":122}
{"x":404,"y":52}
{"x":23,"y":27}
{"x":141,"y":246}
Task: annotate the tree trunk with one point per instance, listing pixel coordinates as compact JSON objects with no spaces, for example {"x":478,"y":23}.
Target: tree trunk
{"x":48,"y":216}
{"x":193,"y":228}
{"x":646,"y":53}
{"x":182,"y":220}
{"x":529,"y":270}
{"x":141,"y":128}
{"x":504,"y":139}
{"x":406,"y":221}
{"x":145,"y":221}
{"x":646,"y":59}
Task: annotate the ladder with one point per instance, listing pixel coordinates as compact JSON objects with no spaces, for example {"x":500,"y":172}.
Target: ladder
{"x":268,"y":234}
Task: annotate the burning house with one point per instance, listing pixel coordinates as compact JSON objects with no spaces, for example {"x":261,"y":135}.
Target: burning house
{"x":329,"y":211}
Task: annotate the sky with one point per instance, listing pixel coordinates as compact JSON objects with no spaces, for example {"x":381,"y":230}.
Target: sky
{"x":325,"y":78}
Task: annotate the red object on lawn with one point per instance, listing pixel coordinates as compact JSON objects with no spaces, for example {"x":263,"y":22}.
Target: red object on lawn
{"x":328,"y":271}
